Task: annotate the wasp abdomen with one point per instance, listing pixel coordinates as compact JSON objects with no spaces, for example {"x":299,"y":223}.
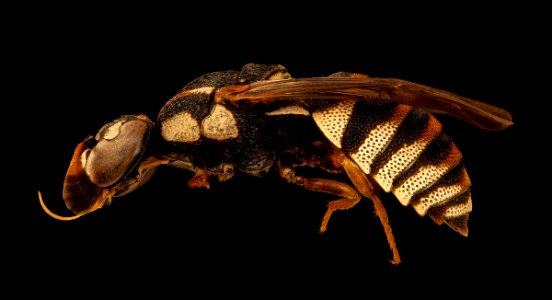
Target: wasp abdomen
{"x":405,"y":151}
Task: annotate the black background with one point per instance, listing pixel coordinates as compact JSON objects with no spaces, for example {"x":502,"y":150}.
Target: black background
{"x":81,"y":73}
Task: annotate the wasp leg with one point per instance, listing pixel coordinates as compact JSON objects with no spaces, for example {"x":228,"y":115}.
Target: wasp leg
{"x":332,"y":159}
{"x":366,"y":188}
{"x":350,"y":194}
{"x":152,"y":162}
{"x":200,"y":180}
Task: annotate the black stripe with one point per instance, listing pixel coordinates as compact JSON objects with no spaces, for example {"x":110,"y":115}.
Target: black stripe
{"x":365,"y":117}
{"x":413,"y":126}
{"x":434,"y":154}
{"x":437,"y":212}
{"x":454,"y":176}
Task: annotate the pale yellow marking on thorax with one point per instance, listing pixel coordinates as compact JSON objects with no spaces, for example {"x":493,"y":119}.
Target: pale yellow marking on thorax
{"x":289,"y":110}
{"x":220,"y":124}
{"x":200,"y":90}
{"x":181,"y":127}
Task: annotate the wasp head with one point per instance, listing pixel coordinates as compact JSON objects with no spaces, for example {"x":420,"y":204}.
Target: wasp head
{"x":109,"y":164}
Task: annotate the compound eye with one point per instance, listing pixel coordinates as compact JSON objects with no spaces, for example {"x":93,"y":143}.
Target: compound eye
{"x":119,"y":145}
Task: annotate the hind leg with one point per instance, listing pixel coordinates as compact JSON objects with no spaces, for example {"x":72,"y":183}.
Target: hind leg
{"x":332,"y":159}
{"x":366,"y":188}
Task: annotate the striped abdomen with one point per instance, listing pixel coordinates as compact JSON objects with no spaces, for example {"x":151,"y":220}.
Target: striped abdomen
{"x":405,"y":151}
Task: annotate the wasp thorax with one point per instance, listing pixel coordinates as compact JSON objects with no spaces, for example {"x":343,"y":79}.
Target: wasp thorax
{"x":119,"y":144}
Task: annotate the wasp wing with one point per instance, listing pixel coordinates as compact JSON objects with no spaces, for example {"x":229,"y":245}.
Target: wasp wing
{"x":434,"y":100}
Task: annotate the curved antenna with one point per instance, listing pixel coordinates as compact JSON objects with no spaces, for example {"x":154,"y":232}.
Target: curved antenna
{"x":53,"y":215}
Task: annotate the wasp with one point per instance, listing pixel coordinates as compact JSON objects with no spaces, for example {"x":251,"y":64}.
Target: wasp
{"x":381,"y":133}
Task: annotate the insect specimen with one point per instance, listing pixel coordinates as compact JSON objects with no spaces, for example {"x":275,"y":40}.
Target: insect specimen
{"x":380,"y":132}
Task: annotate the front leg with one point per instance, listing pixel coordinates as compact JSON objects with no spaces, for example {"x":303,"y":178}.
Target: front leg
{"x":200,"y":179}
{"x":223,"y":172}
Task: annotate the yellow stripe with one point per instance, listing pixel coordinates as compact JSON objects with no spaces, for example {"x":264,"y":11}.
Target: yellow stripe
{"x":398,"y":163}
{"x":437,"y":196}
{"x":333,"y":120}
{"x":379,"y":138}
{"x":459,"y":209}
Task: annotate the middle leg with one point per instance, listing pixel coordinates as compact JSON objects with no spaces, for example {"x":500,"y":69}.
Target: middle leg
{"x":350,"y":195}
